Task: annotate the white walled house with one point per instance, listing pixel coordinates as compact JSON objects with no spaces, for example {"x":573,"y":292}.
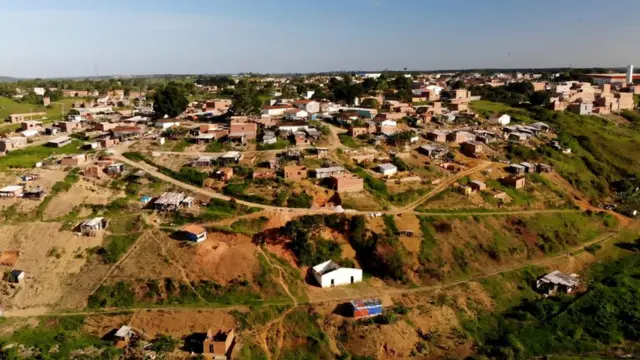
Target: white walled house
{"x":310,"y":106}
{"x":503,"y":119}
{"x":166,"y":124}
{"x":275,"y":110}
{"x":330,"y":274}
{"x":387,"y":169}
{"x":388,"y":123}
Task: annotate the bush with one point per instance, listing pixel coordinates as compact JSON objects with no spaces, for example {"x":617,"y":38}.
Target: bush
{"x":302,"y":200}
{"x":164,"y":344}
{"x":119,"y":295}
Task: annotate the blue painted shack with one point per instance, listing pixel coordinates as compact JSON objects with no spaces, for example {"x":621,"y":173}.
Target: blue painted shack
{"x":366,"y":308}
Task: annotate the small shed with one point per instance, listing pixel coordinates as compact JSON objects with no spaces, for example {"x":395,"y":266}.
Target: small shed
{"x":516,"y":169}
{"x":218,"y":344}
{"x":59,"y":142}
{"x":115,"y":169}
{"x":194,"y":232}
{"x":224,"y":174}
{"x":465,"y":190}
{"x":544,"y":168}
{"x":16,"y":276}
{"x":37,"y":193}
{"x":203,"y":161}
{"x":477,"y":185}
{"x":366,"y":308}
{"x":528,"y":167}
{"x":187,"y":202}
{"x":387,"y":169}
{"x":94,"y":226}
{"x":169,"y":201}
{"x":556,"y":281}
{"x":30,"y":177}
{"x":123,"y":336}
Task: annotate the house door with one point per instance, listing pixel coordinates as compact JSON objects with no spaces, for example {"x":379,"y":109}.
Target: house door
{"x":352,"y":280}
{"x":333,"y":282}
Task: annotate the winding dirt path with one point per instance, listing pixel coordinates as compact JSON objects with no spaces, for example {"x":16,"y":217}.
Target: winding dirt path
{"x":33,"y":312}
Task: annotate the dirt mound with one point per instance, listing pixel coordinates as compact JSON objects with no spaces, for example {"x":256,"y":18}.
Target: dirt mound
{"x":82,"y":192}
{"x":181,"y":323}
{"x":276,"y":220}
{"x":223,"y":258}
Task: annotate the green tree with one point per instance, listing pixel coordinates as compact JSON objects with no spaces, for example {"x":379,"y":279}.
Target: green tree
{"x":171,"y":100}
{"x":246,"y":100}
{"x":370,"y":103}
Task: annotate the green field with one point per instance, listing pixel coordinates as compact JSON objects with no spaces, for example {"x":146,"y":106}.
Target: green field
{"x":10,"y":106}
{"x":488,"y":108}
{"x":28,"y":157}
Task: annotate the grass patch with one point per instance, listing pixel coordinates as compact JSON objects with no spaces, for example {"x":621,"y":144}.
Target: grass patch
{"x":61,"y":186}
{"x":28,"y":157}
{"x":280,"y":144}
{"x":249,"y":226}
{"x":350,"y":141}
{"x":602,"y":318}
{"x":117,"y":245}
{"x":58,"y":338}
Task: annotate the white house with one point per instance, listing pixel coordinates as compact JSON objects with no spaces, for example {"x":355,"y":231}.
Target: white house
{"x":310,"y":106}
{"x":166,"y":123}
{"x":388,"y":123}
{"x":29,"y":133}
{"x":39,"y":91}
{"x":300,"y":114}
{"x":503,"y":119}
{"x":435,"y":88}
{"x":372,"y":75}
{"x":330,"y":274}
{"x":275,"y":110}
{"x":387,"y":169}
{"x":291,"y":128}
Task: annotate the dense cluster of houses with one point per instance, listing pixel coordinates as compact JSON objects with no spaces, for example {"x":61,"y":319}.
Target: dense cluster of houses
{"x":585,"y":99}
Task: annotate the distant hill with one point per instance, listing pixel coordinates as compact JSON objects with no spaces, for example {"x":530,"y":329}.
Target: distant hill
{"x":7,"y":79}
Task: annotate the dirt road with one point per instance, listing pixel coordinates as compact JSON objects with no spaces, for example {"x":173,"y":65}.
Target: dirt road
{"x":442,"y":186}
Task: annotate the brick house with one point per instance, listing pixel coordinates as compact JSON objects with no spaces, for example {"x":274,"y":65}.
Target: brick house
{"x":68,"y":126}
{"x":73,"y":160}
{"x":107,"y":143}
{"x":263,"y":174}
{"x":460,"y":137}
{"x":16,"y":118}
{"x":517,"y":182}
{"x":12,"y":143}
{"x":250,"y":130}
{"x":295,"y":173}
{"x":31,"y":125}
{"x":104,"y":126}
{"x":217,"y":344}
{"x":357,"y":131}
{"x":301,"y":139}
{"x":471,"y":148}
{"x":224,"y":174}
{"x":346,"y":183}
{"x":437,"y":136}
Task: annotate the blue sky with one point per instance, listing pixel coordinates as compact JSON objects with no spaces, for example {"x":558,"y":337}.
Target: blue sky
{"x":43,"y":38}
